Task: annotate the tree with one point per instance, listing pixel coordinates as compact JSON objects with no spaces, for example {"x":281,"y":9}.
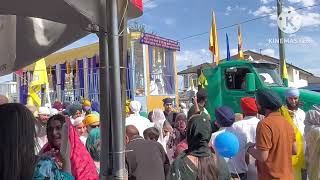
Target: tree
{"x":136,"y":26}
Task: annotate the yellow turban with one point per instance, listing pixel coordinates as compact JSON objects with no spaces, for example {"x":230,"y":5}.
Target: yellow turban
{"x":86,"y":103}
{"x":90,"y":119}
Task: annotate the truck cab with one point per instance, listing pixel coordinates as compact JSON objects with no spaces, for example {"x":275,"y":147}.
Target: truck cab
{"x":232,"y":80}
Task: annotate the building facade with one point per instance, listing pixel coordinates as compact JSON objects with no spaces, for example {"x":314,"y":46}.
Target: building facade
{"x":150,"y":69}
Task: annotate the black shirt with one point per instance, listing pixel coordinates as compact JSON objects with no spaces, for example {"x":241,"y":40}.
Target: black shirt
{"x":146,"y":160}
{"x":170,"y":117}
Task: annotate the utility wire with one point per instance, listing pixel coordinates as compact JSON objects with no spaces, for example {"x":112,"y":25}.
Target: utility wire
{"x":243,"y":22}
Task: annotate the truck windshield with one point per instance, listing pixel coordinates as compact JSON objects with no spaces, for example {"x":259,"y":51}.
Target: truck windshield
{"x":269,"y":74}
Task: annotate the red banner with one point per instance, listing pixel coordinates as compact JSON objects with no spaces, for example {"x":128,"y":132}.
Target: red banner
{"x":138,"y":4}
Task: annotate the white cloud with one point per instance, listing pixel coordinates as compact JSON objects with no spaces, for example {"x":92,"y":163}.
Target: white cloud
{"x":233,"y":51}
{"x":149,"y":4}
{"x":310,"y":19}
{"x":303,"y":2}
{"x":263,"y":10}
{"x":169,"y":21}
{"x":192,"y":57}
{"x":265,"y":1}
{"x":242,"y":8}
{"x":228,"y":10}
{"x":268,"y":52}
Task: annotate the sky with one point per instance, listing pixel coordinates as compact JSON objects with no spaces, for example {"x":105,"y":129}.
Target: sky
{"x":178,"y":19}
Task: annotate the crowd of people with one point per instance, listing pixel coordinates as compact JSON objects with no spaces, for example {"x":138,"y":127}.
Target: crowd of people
{"x":276,"y":140}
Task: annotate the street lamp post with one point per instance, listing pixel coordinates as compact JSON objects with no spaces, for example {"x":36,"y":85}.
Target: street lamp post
{"x":281,"y":40}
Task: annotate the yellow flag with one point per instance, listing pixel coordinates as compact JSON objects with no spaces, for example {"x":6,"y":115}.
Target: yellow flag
{"x":192,"y":84}
{"x":240,"y":51}
{"x":39,"y":78}
{"x":285,"y":74}
{"x":202,"y":80}
{"x":213,"y":42}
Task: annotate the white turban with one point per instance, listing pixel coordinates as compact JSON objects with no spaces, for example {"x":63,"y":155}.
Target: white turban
{"x":44,"y":110}
{"x":135,"y":107}
{"x":54,"y":111}
{"x":78,"y":121}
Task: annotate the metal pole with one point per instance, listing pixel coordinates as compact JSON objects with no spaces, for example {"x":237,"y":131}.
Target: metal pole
{"x":117,"y":124}
{"x":123,"y":62}
{"x":85,"y":77}
{"x":58,"y":86}
{"x":105,"y":165}
{"x":281,"y":40}
{"x":105,"y":117}
{"x":43,"y":100}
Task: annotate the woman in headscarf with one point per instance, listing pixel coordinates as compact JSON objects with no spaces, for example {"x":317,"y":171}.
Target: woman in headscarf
{"x":180,"y":128}
{"x":312,"y":137}
{"x":93,"y":146}
{"x":81,"y":128}
{"x":17,"y":152}
{"x":179,"y":133}
{"x":197,"y":162}
{"x":82,"y":165}
{"x":159,"y":119}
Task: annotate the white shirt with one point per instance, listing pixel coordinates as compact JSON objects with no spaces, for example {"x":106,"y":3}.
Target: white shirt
{"x":141,"y":123}
{"x":41,"y":135}
{"x":245,"y":130}
{"x":298,"y":119}
{"x":83,"y":139}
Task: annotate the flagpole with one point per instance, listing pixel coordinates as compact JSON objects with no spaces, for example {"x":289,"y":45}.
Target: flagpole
{"x":48,"y":95}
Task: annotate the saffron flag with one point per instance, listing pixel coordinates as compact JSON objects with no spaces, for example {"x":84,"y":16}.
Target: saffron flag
{"x":39,"y":78}
{"x":240,"y":51}
{"x":285,"y":74}
{"x":228,"y":48}
{"x":213,"y":42}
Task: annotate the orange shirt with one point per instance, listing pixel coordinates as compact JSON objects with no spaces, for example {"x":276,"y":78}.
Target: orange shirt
{"x":276,"y":135}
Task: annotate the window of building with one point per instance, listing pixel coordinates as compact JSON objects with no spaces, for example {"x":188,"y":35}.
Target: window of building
{"x":235,"y":78}
{"x":161,"y":71}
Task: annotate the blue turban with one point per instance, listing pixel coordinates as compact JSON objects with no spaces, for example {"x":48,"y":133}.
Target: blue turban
{"x":95,"y":106}
{"x":292,"y":92}
{"x":225,"y":116}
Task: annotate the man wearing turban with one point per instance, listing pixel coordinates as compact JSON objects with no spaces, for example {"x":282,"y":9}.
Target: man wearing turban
{"x":225,"y":117}
{"x":275,"y":139}
{"x":297,"y":114}
{"x":245,"y":130}
{"x":140,"y":122}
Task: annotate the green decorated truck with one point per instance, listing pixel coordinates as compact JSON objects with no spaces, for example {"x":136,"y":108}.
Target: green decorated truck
{"x":232,"y":80}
